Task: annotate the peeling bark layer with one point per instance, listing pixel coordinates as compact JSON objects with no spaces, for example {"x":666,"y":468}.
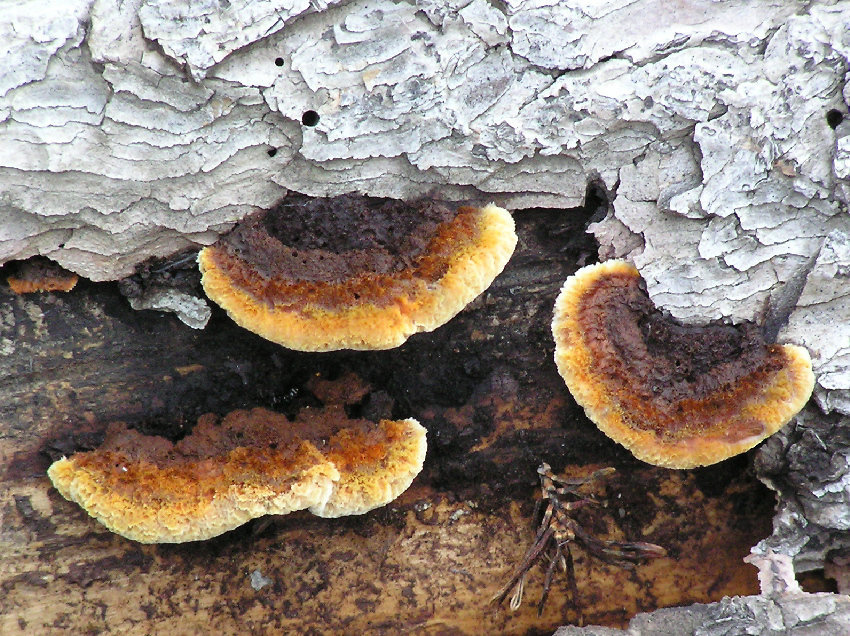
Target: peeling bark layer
{"x":719,"y":131}
{"x":136,"y":127}
{"x":796,"y":615}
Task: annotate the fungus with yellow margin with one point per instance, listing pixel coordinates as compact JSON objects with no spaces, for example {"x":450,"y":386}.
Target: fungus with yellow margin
{"x":355,"y":273}
{"x":375,"y":463}
{"x":249,"y":464}
{"x":39,"y":274}
{"x":675,"y":395}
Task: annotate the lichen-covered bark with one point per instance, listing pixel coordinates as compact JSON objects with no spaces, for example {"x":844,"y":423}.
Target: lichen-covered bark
{"x":718,"y":129}
{"x":146,"y":124}
{"x":793,"y":615}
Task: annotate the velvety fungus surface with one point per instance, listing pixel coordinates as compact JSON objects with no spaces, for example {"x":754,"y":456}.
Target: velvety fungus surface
{"x":355,"y":273}
{"x":40,"y":275}
{"x":675,"y":395}
{"x":233,"y":469}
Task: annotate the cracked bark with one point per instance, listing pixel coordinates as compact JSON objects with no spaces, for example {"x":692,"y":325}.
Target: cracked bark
{"x":143,"y":128}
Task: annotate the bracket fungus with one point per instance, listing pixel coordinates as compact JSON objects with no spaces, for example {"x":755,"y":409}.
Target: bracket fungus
{"x":355,"y":273}
{"x":675,"y":395}
{"x":231,"y":470}
{"x":39,"y":274}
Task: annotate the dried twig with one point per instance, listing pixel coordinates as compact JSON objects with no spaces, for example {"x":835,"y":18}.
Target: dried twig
{"x":559,"y":529}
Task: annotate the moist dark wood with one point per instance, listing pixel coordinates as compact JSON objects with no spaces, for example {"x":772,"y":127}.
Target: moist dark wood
{"x":663,"y":367}
{"x":484,"y":385}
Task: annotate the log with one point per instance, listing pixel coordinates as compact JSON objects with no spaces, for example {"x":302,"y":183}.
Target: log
{"x":485,"y":386}
{"x":708,"y":142}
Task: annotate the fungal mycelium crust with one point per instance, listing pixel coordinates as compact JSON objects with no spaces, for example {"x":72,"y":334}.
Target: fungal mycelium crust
{"x":355,"y":273}
{"x":675,"y":395}
{"x":248,"y":464}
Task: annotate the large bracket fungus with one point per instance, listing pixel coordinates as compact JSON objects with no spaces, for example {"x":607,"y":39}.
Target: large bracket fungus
{"x":248,"y":464}
{"x":675,"y":395}
{"x":355,"y":273}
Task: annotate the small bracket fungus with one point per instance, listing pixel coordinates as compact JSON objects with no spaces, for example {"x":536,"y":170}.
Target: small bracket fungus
{"x":355,"y":273}
{"x":39,"y":274}
{"x":675,"y":395}
{"x":249,"y":464}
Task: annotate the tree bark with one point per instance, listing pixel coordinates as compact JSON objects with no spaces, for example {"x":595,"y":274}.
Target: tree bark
{"x":708,"y":141}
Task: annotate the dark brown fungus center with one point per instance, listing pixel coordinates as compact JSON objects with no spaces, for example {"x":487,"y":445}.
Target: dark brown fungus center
{"x":328,"y":240}
{"x":676,"y":395}
{"x":353,"y":272}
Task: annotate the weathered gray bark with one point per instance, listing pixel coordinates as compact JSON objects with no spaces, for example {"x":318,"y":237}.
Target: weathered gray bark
{"x":792,"y":615}
{"x":132,"y":129}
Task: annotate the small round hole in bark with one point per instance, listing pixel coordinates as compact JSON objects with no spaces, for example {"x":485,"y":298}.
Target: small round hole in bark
{"x":834,"y":117}
{"x":271,"y":152}
{"x":310,"y":118}
{"x":278,"y":61}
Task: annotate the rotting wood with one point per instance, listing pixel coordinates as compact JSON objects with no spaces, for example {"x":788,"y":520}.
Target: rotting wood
{"x":485,"y":386}
{"x":137,"y":128}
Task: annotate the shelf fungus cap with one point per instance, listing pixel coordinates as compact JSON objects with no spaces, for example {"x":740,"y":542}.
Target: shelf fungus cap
{"x":675,"y":395}
{"x":352,"y":273}
{"x":228,"y":471}
{"x":376,"y":465}
{"x":39,"y":274}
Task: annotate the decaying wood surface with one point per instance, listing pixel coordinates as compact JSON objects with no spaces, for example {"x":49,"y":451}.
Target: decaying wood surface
{"x":484,"y":385}
{"x":717,"y":130}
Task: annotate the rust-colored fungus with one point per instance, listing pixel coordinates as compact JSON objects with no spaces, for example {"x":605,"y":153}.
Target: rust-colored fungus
{"x":248,"y":464}
{"x":355,"y":273}
{"x":376,"y":464}
{"x":39,"y":274}
{"x":675,"y":395}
